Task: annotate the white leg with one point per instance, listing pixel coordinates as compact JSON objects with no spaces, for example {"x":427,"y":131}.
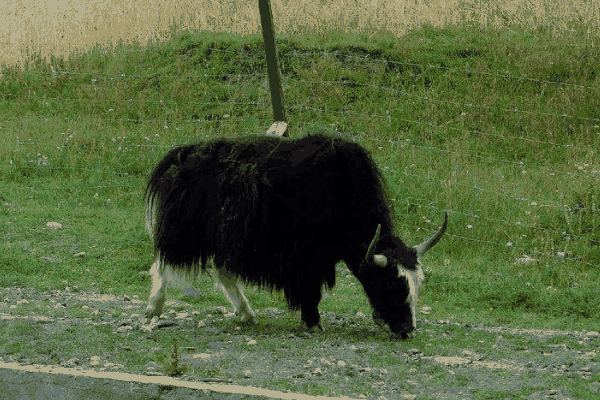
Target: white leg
{"x":233,"y":292}
{"x":156,"y":300}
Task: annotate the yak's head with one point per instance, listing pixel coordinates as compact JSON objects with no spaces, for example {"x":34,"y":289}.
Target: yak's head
{"x":391,"y":275}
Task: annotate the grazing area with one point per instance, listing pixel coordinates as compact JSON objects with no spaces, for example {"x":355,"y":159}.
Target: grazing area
{"x":493,"y":117}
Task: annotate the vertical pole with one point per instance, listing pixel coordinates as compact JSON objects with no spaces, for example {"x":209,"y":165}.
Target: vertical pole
{"x":266,"y":18}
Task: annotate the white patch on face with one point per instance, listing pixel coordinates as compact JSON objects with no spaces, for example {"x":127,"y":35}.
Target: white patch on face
{"x":415,"y":281}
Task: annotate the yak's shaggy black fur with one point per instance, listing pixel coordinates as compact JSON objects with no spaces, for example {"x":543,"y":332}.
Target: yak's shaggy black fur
{"x":280,"y":213}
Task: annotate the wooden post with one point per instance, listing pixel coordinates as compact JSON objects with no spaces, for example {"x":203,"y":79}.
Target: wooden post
{"x":266,"y":18}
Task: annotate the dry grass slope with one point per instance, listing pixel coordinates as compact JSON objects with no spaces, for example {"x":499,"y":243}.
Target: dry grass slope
{"x":60,"y":28}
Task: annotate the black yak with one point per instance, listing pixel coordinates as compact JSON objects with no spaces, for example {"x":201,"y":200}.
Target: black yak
{"x":280,"y":213}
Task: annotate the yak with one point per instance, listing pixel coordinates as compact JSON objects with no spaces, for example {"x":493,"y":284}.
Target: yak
{"x":280,"y":213}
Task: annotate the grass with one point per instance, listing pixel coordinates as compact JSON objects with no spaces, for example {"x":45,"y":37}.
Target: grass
{"x":496,"y":120}
{"x":498,"y":127}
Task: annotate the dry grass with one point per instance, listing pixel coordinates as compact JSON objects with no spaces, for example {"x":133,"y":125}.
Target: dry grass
{"x":60,"y":27}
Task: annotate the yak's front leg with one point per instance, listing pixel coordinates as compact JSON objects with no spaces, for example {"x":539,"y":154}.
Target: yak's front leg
{"x":309,"y":306}
{"x":233,"y":292}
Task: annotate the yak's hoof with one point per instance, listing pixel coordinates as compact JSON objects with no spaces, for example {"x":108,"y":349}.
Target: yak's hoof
{"x":151,"y":313}
{"x":249,"y":321}
{"x":403,"y":335}
{"x":155,"y":307}
{"x":316,"y":329}
{"x":377,"y":319}
{"x":248,"y":318}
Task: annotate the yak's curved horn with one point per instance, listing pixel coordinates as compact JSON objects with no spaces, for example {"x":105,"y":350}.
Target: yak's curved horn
{"x":373,"y":244}
{"x":429,"y":243}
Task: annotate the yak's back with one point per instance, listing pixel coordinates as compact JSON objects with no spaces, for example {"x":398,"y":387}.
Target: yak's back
{"x":254,"y":197}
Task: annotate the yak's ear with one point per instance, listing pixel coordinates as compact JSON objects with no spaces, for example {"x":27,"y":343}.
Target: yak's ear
{"x":380,"y":260}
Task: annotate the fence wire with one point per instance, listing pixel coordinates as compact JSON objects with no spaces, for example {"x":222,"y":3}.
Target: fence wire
{"x":236,"y":78}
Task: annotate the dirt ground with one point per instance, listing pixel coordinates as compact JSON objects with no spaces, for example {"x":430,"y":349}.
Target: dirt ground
{"x":258,"y":360}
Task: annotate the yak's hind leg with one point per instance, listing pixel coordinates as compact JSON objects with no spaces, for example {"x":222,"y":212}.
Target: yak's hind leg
{"x":156,"y":300}
{"x":233,"y":292}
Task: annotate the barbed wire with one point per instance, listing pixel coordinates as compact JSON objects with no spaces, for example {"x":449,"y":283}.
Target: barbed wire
{"x":466,"y":105}
{"x":412,"y":200}
{"x":301,"y":108}
{"x":534,"y":203}
{"x":494,"y":222}
{"x":531,"y":201}
{"x":310,"y":53}
{"x":389,"y":118}
{"x":469,"y":71}
{"x":399,"y":141}
{"x":328,"y":54}
{"x":168,"y":102}
{"x":238,"y":77}
{"x":509,"y":245}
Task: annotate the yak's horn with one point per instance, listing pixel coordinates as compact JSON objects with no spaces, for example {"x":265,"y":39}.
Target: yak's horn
{"x":373,"y":244}
{"x":429,"y":243}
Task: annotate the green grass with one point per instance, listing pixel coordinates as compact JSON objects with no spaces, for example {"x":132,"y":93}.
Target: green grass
{"x":498,"y":125}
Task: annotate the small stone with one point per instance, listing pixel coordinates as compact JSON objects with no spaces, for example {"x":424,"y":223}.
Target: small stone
{"x":152,"y":366}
